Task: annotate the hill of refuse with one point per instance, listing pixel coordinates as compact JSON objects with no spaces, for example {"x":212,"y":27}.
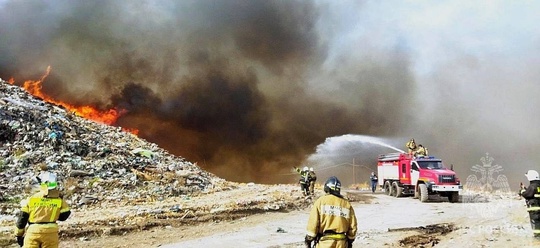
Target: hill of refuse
{"x":95,"y":162}
{"x":115,"y":182}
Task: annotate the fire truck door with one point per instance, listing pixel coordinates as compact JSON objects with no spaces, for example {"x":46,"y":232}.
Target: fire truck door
{"x":415,"y":173}
{"x":405,"y":176}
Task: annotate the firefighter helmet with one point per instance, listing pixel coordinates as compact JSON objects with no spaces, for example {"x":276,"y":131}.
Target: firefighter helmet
{"x":49,"y":180}
{"x":532,"y":175}
{"x":332,"y":186}
{"x":305,"y":168}
{"x":310,"y":168}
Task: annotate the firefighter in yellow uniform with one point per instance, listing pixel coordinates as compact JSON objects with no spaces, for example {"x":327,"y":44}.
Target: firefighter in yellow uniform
{"x":312,"y":180}
{"x":411,"y":145}
{"x":421,"y":151}
{"x":304,"y":179}
{"x":41,"y":211}
{"x":532,"y":196}
{"x":332,"y":222}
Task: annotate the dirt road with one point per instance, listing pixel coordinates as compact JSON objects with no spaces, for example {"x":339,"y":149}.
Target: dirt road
{"x":498,"y":221}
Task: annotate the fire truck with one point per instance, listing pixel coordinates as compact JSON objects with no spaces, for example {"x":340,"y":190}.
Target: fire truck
{"x":402,"y":174}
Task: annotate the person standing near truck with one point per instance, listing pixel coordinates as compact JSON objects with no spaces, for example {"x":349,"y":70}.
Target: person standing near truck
{"x":532,"y":197}
{"x":373,"y":178}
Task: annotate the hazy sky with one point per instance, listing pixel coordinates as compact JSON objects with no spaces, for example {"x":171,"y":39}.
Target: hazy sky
{"x":248,"y":89}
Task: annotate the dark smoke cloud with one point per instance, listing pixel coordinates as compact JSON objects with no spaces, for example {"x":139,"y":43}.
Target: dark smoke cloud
{"x":248,"y":89}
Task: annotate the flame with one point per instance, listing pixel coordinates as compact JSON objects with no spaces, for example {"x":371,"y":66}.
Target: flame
{"x":108,"y":117}
{"x":131,"y":130}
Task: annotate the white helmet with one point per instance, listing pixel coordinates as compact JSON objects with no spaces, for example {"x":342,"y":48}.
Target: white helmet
{"x":310,"y":168}
{"x":532,"y":175}
{"x":305,"y":168}
{"x":49,"y":179}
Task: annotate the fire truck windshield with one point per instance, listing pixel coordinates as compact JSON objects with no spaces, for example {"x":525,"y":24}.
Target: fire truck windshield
{"x":432,"y":165}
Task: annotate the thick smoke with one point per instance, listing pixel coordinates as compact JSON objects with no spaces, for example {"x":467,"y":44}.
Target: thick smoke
{"x":248,"y":89}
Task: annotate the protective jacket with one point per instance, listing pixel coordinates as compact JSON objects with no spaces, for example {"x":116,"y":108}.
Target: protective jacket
{"x":411,"y":145}
{"x":304,"y":176}
{"x":312,"y":176}
{"x":41,"y":211}
{"x":333,"y":221}
{"x":421,"y":151}
{"x":532,"y":196}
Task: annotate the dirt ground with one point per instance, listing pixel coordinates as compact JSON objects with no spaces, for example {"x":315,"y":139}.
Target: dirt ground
{"x":500,"y":221}
{"x":384,"y":221}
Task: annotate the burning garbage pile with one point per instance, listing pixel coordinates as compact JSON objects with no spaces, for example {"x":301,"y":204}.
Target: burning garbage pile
{"x":96,"y":163}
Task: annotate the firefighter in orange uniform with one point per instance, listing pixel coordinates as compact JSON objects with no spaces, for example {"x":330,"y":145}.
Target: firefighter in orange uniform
{"x":332,"y":222}
{"x":41,"y":211}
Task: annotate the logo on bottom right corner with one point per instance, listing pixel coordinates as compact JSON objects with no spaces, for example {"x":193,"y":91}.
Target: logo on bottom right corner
{"x":486,"y":183}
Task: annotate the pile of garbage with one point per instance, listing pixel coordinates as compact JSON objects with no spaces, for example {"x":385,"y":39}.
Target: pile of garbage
{"x":94,"y":162}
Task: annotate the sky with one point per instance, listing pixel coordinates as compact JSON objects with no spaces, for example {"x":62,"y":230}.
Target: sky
{"x":249,"y":89}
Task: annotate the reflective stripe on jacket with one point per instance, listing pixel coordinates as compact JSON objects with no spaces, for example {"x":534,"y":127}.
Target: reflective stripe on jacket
{"x":43,"y":209}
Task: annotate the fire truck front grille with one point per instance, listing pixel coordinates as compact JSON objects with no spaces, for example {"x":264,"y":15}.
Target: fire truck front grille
{"x":447,"y":178}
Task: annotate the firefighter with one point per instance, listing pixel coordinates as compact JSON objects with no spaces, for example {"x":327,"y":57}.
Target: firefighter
{"x":332,"y":222}
{"x":41,"y":211}
{"x":421,"y":151}
{"x":532,"y":197}
{"x":312,"y":178}
{"x":304,"y":179}
{"x":373,"y":179}
{"x":411,"y":145}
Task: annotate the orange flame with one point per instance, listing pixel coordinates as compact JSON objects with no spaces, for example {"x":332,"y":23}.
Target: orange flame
{"x":108,"y":117}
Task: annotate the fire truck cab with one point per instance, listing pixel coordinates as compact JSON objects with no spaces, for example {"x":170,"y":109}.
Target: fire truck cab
{"x":403,"y":174}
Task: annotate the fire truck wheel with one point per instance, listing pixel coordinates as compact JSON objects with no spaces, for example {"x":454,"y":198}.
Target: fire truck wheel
{"x":388,"y":188}
{"x":453,"y":197}
{"x":423,"y":192}
{"x":416,"y":194}
{"x":396,"y":189}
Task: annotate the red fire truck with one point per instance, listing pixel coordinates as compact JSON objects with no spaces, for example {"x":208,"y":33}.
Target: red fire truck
{"x":403,"y":174}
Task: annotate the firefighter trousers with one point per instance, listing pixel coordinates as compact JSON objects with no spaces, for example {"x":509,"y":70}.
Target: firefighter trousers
{"x":312,"y":187}
{"x":332,"y":243}
{"x":41,"y":236}
{"x":535,"y":222}
{"x":305,"y":188}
